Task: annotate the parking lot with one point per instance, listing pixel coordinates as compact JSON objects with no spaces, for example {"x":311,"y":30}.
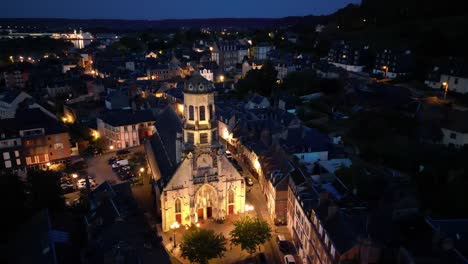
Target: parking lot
{"x":98,"y":170}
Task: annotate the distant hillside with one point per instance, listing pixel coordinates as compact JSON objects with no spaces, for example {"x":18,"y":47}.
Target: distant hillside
{"x":126,"y":25}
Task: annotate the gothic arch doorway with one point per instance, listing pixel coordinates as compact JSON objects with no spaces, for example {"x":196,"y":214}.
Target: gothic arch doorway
{"x":206,"y":203}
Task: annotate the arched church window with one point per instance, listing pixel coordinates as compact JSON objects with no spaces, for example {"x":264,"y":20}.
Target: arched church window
{"x":178,"y":206}
{"x":230,"y":196}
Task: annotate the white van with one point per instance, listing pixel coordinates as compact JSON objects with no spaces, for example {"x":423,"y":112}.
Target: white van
{"x":119,"y":163}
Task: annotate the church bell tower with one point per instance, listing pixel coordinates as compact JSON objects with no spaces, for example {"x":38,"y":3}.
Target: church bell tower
{"x":199,"y":125}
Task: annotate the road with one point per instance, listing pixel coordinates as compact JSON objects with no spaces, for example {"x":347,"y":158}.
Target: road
{"x":256,"y":198}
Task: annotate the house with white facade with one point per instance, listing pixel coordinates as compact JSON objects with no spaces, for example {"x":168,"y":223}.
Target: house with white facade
{"x":125,"y":128}
{"x":455,"y":130}
{"x":350,"y":56}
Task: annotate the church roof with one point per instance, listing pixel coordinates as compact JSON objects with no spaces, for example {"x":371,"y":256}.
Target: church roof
{"x":163,"y":142}
{"x":198,"y":84}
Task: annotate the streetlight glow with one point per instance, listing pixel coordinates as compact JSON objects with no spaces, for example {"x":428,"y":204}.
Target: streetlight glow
{"x":111,"y":147}
{"x":142,"y":169}
{"x":174,"y":226}
{"x":445,"y":85}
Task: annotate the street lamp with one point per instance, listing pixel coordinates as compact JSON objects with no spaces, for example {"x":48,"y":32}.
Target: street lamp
{"x":386,"y":70}
{"x":111,"y":147}
{"x":445,"y":85}
{"x":174,"y":226}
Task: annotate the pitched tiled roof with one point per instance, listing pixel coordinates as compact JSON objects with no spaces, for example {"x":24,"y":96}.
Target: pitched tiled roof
{"x":163,"y":142}
{"x":126,"y":117}
{"x":29,"y":119}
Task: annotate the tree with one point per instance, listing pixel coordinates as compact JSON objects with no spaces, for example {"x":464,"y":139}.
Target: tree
{"x":45,"y":190}
{"x":249,"y":233}
{"x":201,"y":245}
{"x":13,"y":200}
{"x":261,"y":81}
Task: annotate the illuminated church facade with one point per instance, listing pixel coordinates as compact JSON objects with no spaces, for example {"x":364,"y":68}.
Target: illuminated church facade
{"x":193,"y":179}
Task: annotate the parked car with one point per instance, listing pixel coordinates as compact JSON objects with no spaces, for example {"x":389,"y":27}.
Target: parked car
{"x":112,"y":160}
{"x":67,"y":188}
{"x":81,"y":183}
{"x":287,"y":247}
{"x":289,"y":259}
{"x":249,"y":181}
{"x":119,"y":163}
{"x":228,"y":154}
{"x":122,"y":152}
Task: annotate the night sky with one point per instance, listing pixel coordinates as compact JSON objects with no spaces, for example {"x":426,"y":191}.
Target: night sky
{"x":162,"y":9}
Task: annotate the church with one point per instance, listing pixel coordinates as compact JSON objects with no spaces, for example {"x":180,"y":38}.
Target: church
{"x":193,"y":180}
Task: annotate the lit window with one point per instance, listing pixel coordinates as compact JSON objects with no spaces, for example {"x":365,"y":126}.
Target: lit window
{"x":8,"y":164}
{"x":18,"y":162}
{"x":6,"y":155}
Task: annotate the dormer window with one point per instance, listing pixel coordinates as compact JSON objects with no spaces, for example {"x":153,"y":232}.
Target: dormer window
{"x":201,"y":87}
{"x":190,"y":87}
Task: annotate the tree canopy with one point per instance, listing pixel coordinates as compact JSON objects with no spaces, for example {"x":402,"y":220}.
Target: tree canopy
{"x":201,"y":245}
{"x":260,"y":81}
{"x":249,"y":233}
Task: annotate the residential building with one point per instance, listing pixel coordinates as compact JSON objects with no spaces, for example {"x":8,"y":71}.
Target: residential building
{"x":260,"y":51}
{"x":455,"y":129}
{"x":393,"y":63}
{"x":43,"y":140}
{"x":10,"y":101}
{"x":350,"y":56}
{"x":308,"y":145}
{"x":275,"y":169}
{"x":284,"y":68}
{"x":125,"y":128}
{"x":58,"y":88}
{"x":162,"y":71}
{"x":16,"y":78}
{"x":450,"y":74}
{"x":257,"y":102}
{"x":194,"y":179}
{"x":323,"y":231}
{"x":118,"y":100}
{"x":118,"y":231}
{"x":227,"y":53}
{"x":208,"y":70}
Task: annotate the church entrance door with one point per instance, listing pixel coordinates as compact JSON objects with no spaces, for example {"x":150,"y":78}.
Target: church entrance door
{"x":231,"y":209}
{"x":200,"y":214}
{"x":209,"y":212}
